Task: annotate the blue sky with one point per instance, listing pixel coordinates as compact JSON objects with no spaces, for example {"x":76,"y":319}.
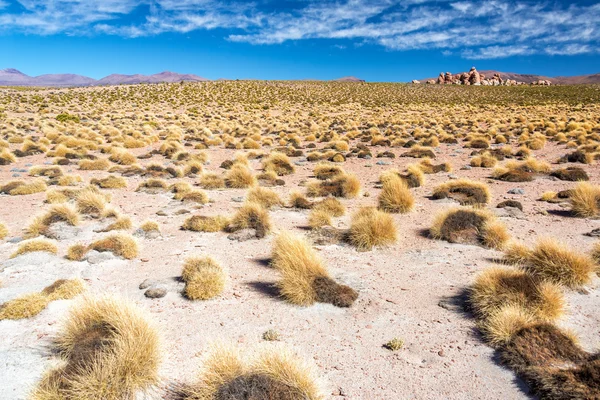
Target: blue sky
{"x":377,"y":40}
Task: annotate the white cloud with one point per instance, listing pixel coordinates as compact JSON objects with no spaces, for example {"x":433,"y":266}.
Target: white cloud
{"x":491,"y":29}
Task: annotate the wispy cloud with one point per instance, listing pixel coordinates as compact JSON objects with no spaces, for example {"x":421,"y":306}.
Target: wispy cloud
{"x":476,"y":30}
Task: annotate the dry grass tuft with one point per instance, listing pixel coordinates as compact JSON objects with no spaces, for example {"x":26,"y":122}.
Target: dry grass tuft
{"x":553,"y":261}
{"x":94,"y":165}
{"x":278,"y":163}
{"x":585,"y":200}
{"x":496,"y":287}
{"x":30,"y":246}
{"x":122,"y":223}
{"x":251,"y":216}
{"x":370,"y":228}
{"x":464,"y":191}
{"x":20,"y":188}
{"x":304,"y":278}
{"x":204,"y":278}
{"x":64,"y":289}
{"x":3,"y":231}
{"x":502,"y":324}
{"x":469,"y":226}
{"x":119,"y":244}
{"x":26,"y":306}
{"x":109,"y":350}
{"x":76,"y":252}
{"x":212,"y":181}
{"x":552,"y":362}
{"x":324,"y":171}
{"x":347,"y":186}
{"x":239,"y":177}
{"x":298,"y":200}
{"x":193,"y":196}
{"x":57,"y":213}
{"x":275,"y":373}
{"x":265,"y":197}
{"x":396,"y":196}
{"x":331,"y":206}
{"x":91,"y":202}
{"x":150,"y":226}
{"x":427,"y":166}
{"x":201,"y":223}
{"x":110,"y":182}
{"x":319,"y":218}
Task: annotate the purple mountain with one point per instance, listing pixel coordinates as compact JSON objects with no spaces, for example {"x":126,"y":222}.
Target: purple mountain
{"x":13,"y":77}
{"x":118,"y":79}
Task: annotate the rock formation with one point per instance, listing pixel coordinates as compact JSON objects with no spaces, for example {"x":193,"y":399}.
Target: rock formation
{"x":473,"y":77}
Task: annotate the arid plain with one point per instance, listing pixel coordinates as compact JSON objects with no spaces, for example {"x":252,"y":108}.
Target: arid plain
{"x":300,"y":240}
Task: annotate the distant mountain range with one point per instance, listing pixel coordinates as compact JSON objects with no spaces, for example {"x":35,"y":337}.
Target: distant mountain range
{"x":13,"y":77}
{"x":529,"y":78}
{"x":557,"y":80}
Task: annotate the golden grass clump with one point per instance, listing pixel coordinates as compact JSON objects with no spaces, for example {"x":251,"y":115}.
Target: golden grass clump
{"x":122,"y":223}
{"x":25,"y":306}
{"x":496,"y":287}
{"x":33,"y":245}
{"x":152,"y":184}
{"x":275,"y":373}
{"x":469,"y":226}
{"x":100,"y":164}
{"x":193,"y":196}
{"x":201,"y":223}
{"x":318,"y":218}
{"x":69,"y":180}
{"x":251,"y":216}
{"x":150,"y":226}
{"x":331,"y":206}
{"x":66,"y":213}
{"x":396,"y":196}
{"x":50,"y":172}
{"x":278,"y":163}
{"x":109,"y":350}
{"x":595,"y":254}
{"x":119,"y":244}
{"x":239,"y":177}
{"x":179,"y":188}
{"x":585,"y":200}
{"x":76,"y":252}
{"x":298,"y":200}
{"x":555,"y":262}
{"x":347,"y":186}
{"x":324,"y":171}
{"x":212,"y":181}
{"x":371,"y":227}
{"x":484,"y":160}
{"x":502,"y":324}
{"x":20,"y":188}
{"x":64,"y":289}
{"x":110,"y":182}
{"x":122,"y":157}
{"x":91,"y":202}
{"x":204,"y":278}
{"x":304,"y":278}
{"x":6,"y":157}
{"x":465,"y":191}
{"x":32,"y":304}
{"x":3,"y":231}
{"x":265,"y":197}
{"x":427,"y":166}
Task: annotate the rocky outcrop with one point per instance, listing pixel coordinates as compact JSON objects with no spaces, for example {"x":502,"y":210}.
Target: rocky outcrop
{"x":474,"y":78}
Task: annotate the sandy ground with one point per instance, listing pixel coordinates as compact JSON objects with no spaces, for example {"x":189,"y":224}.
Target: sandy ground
{"x":411,"y":290}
